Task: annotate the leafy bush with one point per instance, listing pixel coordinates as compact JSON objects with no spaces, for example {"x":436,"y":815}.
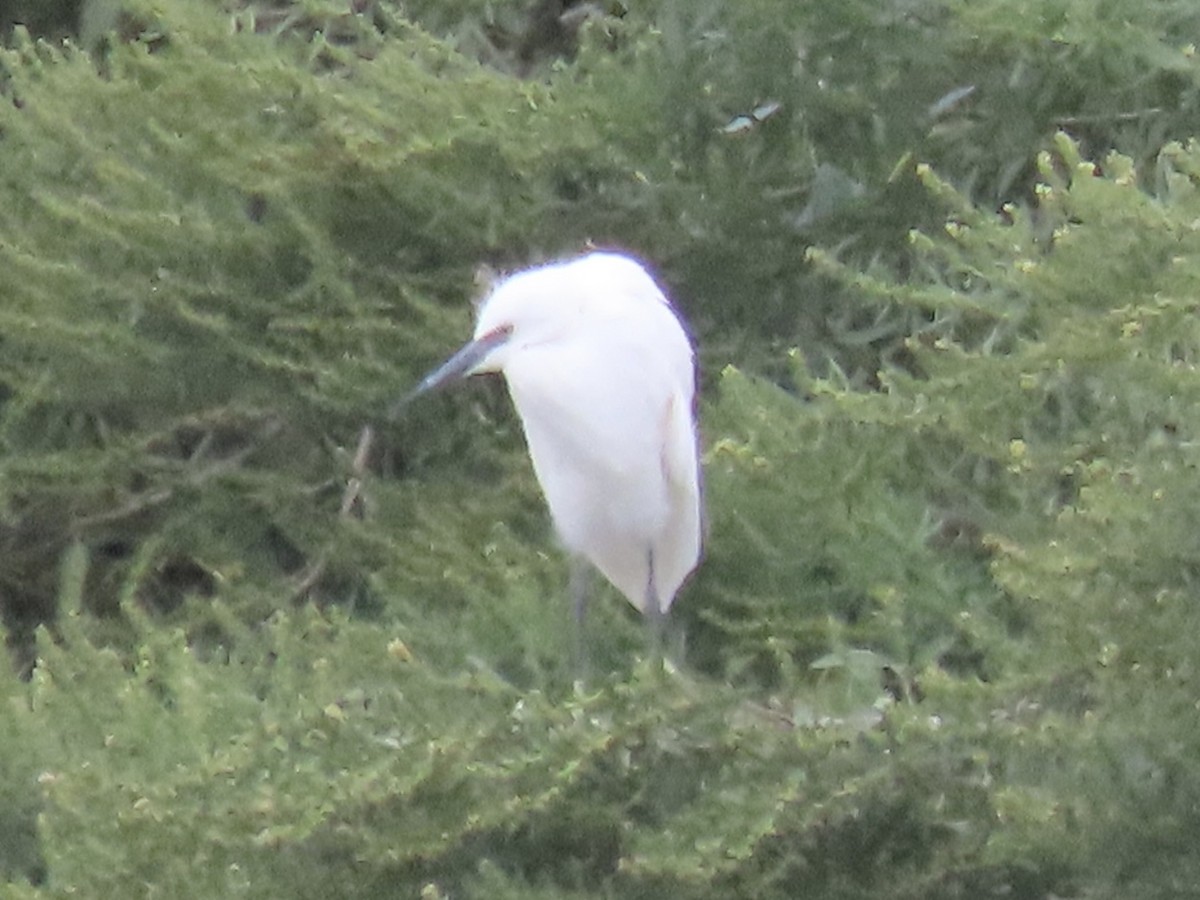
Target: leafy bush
{"x":941,"y":645}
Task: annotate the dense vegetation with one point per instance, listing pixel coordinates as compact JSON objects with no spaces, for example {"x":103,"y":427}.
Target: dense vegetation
{"x":941,"y":258}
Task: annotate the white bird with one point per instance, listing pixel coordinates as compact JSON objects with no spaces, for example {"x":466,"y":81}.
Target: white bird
{"x":603,"y":377}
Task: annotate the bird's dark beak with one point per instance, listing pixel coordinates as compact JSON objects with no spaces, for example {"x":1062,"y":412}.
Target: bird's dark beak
{"x":457,"y":367}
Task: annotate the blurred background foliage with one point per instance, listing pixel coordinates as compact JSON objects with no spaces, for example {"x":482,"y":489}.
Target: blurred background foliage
{"x":940,"y":259}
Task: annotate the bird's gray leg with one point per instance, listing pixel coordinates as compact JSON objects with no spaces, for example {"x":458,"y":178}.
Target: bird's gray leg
{"x":656,"y":619}
{"x":580,"y":583}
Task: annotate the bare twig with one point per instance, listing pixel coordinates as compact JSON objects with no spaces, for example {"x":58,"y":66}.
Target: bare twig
{"x":197,"y":475}
{"x":352,"y":498}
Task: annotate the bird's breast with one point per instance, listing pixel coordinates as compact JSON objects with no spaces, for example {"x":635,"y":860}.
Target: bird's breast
{"x":595,"y":442}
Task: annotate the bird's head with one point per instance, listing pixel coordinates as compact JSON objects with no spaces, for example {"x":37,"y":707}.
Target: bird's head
{"x":543,"y":306}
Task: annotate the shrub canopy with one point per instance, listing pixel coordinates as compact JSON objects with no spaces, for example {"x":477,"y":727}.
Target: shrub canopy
{"x":938,"y":258}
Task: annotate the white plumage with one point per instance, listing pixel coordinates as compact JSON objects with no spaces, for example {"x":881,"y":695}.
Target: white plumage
{"x":602,"y":375}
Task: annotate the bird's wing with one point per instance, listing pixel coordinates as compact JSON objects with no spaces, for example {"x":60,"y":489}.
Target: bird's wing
{"x":678,"y":442}
{"x":678,"y":551}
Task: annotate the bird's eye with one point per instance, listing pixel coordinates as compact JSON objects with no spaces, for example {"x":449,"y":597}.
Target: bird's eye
{"x":499,"y":334}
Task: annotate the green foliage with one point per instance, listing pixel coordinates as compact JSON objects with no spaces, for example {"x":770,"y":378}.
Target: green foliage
{"x":853,"y":94}
{"x":318,"y":756}
{"x":207,"y":297}
{"x":849,"y":556}
{"x":942,"y":642}
{"x":1078,"y":348}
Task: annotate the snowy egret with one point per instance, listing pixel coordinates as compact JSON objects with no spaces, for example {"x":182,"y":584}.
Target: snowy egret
{"x":603,"y":377}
